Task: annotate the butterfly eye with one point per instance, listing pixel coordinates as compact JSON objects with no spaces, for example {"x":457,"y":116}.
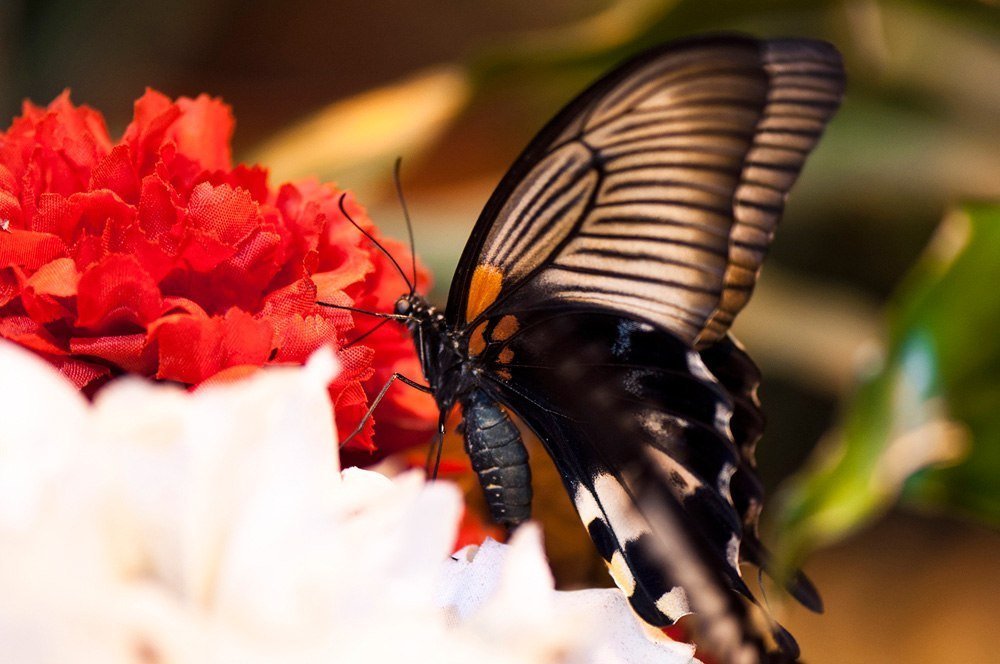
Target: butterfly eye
{"x":403,"y":306}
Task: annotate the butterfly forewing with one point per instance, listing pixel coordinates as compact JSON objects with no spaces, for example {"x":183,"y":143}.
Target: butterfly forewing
{"x":656,"y":192}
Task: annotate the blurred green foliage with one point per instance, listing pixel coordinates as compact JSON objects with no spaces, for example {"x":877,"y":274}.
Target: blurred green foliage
{"x":957,"y":305}
{"x":925,"y":420}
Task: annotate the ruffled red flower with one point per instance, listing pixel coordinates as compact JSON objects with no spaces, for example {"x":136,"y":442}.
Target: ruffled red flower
{"x":154,"y":255}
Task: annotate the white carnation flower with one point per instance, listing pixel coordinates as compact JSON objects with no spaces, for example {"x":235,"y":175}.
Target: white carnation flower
{"x":161,"y":526}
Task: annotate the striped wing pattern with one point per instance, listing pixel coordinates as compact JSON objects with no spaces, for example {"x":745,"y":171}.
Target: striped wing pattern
{"x":806,"y":85}
{"x":657,"y":192}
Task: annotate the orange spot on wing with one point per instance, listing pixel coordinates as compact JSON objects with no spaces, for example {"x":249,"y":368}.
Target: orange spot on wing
{"x":505,"y":356}
{"x":483,"y":290}
{"x":504,"y":373}
{"x":505,"y":328}
{"x":477,"y":344}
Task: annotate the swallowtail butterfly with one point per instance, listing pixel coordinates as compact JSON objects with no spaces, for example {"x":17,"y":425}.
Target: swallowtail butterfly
{"x":594,"y":298}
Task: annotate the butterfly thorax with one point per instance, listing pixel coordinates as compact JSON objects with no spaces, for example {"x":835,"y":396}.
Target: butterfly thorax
{"x":446,"y":367}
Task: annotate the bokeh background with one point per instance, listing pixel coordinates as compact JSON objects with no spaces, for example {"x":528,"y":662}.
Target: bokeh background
{"x":877,"y":320}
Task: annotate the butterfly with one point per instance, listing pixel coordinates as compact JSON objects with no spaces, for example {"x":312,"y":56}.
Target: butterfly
{"x":593,"y":300}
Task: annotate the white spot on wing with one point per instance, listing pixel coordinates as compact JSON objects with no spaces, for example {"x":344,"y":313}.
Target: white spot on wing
{"x":586,"y":505}
{"x":733,"y":552}
{"x":623,"y":517}
{"x":674,"y":604}
{"x":682,"y":481}
{"x":663,"y":425}
{"x":621,"y":573}
{"x":723,"y":414}
{"x":725,"y":477}
{"x":697,"y":367}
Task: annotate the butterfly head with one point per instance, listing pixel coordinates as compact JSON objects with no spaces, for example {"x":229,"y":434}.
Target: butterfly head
{"x":404,"y":306}
{"x":414,"y":310}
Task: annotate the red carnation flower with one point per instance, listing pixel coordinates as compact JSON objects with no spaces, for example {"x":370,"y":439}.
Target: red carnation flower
{"x":154,"y":255}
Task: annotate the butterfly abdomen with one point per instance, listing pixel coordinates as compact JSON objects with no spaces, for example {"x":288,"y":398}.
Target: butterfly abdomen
{"x":499,"y":458}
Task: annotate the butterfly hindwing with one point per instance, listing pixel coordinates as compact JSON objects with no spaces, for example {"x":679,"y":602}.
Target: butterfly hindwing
{"x":629,"y":423}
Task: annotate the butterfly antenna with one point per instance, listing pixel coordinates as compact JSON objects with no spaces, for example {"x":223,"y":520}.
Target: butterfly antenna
{"x":362,"y":337}
{"x":377,"y":314}
{"x":371,"y":238}
{"x":406,"y":216}
{"x":434,"y":451}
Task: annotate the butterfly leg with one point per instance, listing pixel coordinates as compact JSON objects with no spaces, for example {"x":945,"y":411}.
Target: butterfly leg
{"x":378,"y":399}
{"x":435,"y":449}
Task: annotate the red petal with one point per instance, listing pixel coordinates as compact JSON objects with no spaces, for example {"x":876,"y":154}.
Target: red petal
{"x":29,"y":249}
{"x":297,"y":298}
{"x":349,"y":405}
{"x":231,"y":375}
{"x":58,"y":278}
{"x":158,"y":211}
{"x":129,"y":351}
{"x":55,"y":149}
{"x":353,"y":267}
{"x":44,"y":294}
{"x":182,"y":305}
{"x":117,"y":173}
{"x":10,"y":285}
{"x":81,"y":373}
{"x":84,"y":213}
{"x":246,"y":274}
{"x":79,"y":124}
{"x":56,"y":215}
{"x":302,"y":336}
{"x":152,"y":117}
{"x":226,"y":213}
{"x":29,"y":334}
{"x":407,"y":416}
{"x":218,"y":219}
{"x":117,"y":293}
{"x":10,"y":210}
{"x":203,"y":131}
{"x":191,"y":348}
{"x":349,"y":400}
{"x":253,"y":179}
{"x":203,"y":251}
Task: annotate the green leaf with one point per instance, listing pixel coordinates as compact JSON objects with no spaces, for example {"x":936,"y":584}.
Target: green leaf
{"x":923,"y":422}
{"x":959,"y":302}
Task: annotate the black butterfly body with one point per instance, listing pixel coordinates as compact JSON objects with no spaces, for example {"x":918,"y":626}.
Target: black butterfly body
{"x":593,"y":300}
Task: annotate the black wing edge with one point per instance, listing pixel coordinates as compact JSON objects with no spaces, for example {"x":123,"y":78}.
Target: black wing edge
{"x":740,"y":376}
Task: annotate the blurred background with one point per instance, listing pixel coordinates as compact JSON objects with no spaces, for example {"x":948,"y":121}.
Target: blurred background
{"x":877,"y":319}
